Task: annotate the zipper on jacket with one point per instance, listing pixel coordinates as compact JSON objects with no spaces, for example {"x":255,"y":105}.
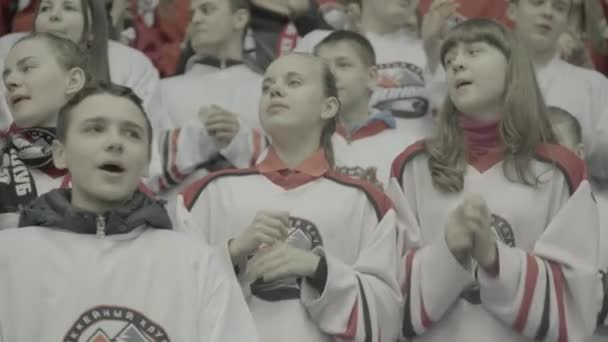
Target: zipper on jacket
{"x":101,"y":226}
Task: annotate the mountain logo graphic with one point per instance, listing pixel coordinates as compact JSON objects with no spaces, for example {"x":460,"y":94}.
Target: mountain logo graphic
{"x":115,"y":324}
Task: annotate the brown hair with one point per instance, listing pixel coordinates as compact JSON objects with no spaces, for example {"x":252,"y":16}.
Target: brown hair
{"x":63,"y":118}
{"x":359,"y":42}
{"x":523,"y":125}
{"x":330,"y":89}
{"x":95,"y":26}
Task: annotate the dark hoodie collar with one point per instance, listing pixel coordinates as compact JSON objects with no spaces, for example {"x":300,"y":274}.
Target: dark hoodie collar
{"x":54,"y":210}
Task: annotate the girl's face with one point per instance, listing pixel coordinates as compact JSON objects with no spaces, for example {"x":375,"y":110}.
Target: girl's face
{"x":36,"y":84}
{"x":63,"y":18}
{"x":476,"y":74}
{"x":293,"y":96}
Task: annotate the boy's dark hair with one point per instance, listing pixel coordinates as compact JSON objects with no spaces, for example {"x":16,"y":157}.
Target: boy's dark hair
{"x":63,"y":119}
{"x":364,"y":48}
{"x":69,"y":55}
{"x":559,"y":116}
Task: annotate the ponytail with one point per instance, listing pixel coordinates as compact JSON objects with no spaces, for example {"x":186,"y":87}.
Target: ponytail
{"x":331,"y":90}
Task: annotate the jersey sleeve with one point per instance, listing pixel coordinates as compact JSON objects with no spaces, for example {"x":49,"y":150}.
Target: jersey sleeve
{"x":360,"y":302}
{"x":223,"y":312}
{"x":550,"y":293}
{"x":185,"y":149}
{"x":431,"y":279}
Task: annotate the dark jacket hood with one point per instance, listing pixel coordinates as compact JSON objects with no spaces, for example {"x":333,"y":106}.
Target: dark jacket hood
{"x":54,"y":210}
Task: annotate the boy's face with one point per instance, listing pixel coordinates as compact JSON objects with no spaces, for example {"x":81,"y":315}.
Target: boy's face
{"x":37,"y":86}
{"x":354,"y":78}
{"x":63,"y":18}
{"x":293,"y":95}
{"x":213,"y":23}
{"x":397,"y":12}
{"x":106,"y":148}
{"x":540,"y":23}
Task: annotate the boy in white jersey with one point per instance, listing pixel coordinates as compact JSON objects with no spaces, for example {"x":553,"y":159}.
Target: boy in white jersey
{"x":487,"y":208}
{"x":315,"y":250}
{"x":582,"y":92}
{"x":99,"y":262}
{"x":569,"y":134}
{"x":213,"y":104}
{"x":366,"y":141}
{"x":409,"y":84}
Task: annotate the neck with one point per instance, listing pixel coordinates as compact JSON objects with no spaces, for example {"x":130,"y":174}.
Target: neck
{"x":84,"y":201}
{"x":354,"y":115}
{"x":231,"y":49}
{"x":542,"y":58}
{"x":485,"y":116}
{"x":295,"y":148}
{"x":371,"y":23}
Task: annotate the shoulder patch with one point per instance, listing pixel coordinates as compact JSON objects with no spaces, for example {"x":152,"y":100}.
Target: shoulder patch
{"x":381,"y":203}
{"x":405,"y":157}
{"x":572,"y":167}
{"x":192,"y":192}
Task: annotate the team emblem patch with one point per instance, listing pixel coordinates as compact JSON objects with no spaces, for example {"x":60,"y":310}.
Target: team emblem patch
{"x":401,"y":89}
{"x":504,"y":233}
{"x":368,"y":174}
{"x":303,"y":234}
{"x":115,"y":324}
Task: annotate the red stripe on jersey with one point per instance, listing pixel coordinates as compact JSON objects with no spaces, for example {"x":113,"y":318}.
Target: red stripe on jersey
{"x":351,"y":328}
{"x":192,"y":192}
{"x":257,"y":146}
{"x":379,"y":200}
{"x":567,"y":162}
{"x":66,"y":181}
{"x":558,"y":281}
{"x":530,"y":286}
{"x":404,"y":157}
{"x":424,"y":316}
{"x":174,"y":138}
{"x":369,"y":130}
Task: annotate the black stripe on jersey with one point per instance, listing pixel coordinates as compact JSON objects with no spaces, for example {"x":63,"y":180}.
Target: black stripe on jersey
{"x":604,"y":311}
{"x":544,"y":322}
{"x":379,"y":212}
{"x":166,"y":161}
{"x":408,"y":328}
{"x":366,"y":319}
{"x":200,"y":185}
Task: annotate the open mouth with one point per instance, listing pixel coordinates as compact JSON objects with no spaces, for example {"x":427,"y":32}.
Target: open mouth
{"x":544,"y":28}
{"x":112,"y":168}
{"x":275,"y":107}
{"x":18,"y":99}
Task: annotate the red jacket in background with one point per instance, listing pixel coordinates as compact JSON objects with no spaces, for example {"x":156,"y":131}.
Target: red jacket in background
{"x":24,"y":19}
{"x":491,"y":9}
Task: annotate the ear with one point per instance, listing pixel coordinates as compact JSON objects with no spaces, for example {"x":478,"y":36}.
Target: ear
{"x":75,"y":81}
{"x":59,"y":157}
{"x":372,"y":74}
{"x":240,"y":19}
{"x":330,"y":109}
{"x":512,"y":10}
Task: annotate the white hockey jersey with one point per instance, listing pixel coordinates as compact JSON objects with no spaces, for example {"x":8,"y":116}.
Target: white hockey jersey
{"x":583,"y":93}
{"x":119,"y":276}
{"x":368,"y":152}
{"x":348,"y":221}
{"x":405,"y":87}
{"x":148,"y":285}
{"x":128,"y":67}
{"x":236,"y":88}
{"x":547,"y":236}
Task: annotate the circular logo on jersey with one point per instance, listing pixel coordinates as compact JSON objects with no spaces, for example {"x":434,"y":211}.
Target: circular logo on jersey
{"x":504,"y":233}
{"x":303,"y":234}
{"x":115,"y":324}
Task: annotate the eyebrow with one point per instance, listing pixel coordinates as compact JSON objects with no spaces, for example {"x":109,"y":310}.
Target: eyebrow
{"x":101,"y":119}
{"x":20,"y":62}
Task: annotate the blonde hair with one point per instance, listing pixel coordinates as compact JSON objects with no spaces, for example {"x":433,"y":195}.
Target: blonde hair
{"x":523,"y":124}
